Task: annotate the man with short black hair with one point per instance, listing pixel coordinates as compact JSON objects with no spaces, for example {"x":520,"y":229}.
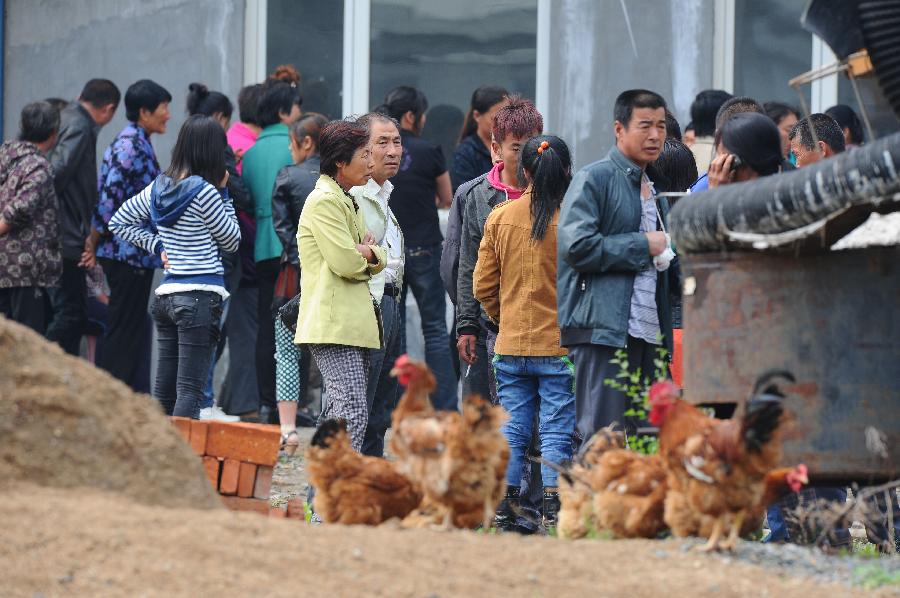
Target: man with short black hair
{"x":829,"y":139}
{"x":29,"y":239}
{"x":703,"y":116}
{"x":615,"y":266}
{"x":74,"y":161}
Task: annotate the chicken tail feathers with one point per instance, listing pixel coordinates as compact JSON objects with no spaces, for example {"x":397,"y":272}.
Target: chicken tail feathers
{"x":765,"y":383}
{"x":563,"y":469}
{"x":328,"y":429}
{"x":761,"y":421}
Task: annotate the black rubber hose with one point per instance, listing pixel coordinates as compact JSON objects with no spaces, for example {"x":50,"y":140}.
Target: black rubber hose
{"x":880,"y":24}
{"x":727,"y":216}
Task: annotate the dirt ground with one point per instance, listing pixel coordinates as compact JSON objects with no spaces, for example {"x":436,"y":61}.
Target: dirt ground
{"x":60,"y":542}
{"x":100,"y":497}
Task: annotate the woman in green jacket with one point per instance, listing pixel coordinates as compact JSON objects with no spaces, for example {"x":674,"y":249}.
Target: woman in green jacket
{"x":337,"y":316}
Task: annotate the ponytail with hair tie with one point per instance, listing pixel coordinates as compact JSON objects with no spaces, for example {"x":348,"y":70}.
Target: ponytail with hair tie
{"x":544,"y":145}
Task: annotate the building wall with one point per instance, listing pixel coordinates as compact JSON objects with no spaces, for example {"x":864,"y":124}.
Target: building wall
{"x":592,"y":60}
{"x":54,"y":46}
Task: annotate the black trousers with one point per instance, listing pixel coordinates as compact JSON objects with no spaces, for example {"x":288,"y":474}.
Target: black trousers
{"x":127,"y":339}
{"x":596,"y":404}
{"x":25,"y":305}
{"x":68,"y":303}
{"x":267,"y":274}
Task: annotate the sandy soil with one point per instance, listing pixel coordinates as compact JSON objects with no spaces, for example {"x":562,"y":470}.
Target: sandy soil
{"x":89,"y":543}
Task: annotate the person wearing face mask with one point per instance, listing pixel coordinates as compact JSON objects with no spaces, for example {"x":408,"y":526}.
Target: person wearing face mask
{"x":383,"y":390}
{"x":615,"y":264}
{"x":337,"y":318}
{"x":129,"y":165}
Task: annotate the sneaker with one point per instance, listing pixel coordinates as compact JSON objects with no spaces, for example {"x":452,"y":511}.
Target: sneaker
{"x":215,"y":413}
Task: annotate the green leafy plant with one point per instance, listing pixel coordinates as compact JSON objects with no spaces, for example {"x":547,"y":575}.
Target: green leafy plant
{"x":635,"y":386}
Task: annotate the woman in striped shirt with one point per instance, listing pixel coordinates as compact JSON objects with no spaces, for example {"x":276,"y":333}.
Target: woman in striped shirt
{"x":185,"y":219}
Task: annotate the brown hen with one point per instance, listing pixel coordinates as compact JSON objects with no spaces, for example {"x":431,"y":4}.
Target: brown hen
{"x":353,"y":488}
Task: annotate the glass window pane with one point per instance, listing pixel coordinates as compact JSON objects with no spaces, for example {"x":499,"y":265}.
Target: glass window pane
{"x":770,"y":48}
{"x":447,"y":49}
{"x":881,"y":116}
{"x":310,"y":35}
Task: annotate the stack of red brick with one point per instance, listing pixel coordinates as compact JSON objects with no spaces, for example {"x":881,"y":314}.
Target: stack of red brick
{"x":238,"y":458}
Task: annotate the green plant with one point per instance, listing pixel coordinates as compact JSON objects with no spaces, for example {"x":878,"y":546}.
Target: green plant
{"x":874,"y":576}
{"x":307,"y":511}
{"x":635,"y":386}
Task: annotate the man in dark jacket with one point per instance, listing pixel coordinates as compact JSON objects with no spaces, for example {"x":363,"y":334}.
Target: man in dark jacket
{"x":614,"y":271}
{"x":29,"y":238}
{"x":74,"y":161}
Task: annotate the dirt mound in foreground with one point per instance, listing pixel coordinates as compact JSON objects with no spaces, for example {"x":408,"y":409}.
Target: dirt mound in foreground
{"x":65,"y":423}
{"x":88,"y":543}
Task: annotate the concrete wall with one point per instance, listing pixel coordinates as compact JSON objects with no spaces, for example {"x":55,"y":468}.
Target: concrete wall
{"x":54,"y":46}
{"x":592,"y":60}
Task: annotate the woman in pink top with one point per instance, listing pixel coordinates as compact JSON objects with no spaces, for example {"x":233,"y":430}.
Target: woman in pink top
{"x":242,"y":135}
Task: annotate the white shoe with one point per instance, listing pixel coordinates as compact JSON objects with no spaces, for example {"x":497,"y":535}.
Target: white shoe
{"x":216,"y":414}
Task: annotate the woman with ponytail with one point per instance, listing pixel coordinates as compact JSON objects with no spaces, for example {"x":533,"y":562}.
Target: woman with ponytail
{"x":515,"y":282}
{"x":472,"y":157}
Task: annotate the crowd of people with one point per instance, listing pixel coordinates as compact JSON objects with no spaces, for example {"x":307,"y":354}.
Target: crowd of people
{"x":296,"y":239}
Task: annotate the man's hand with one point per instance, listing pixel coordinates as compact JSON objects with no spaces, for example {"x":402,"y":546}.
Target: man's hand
{"x":657,"y":241}
{"x":224,"y":181}
{"x":720,"y":172}
{"x":89,"y":254}
{"x":466,"y":347}
{"x":165,"y":260}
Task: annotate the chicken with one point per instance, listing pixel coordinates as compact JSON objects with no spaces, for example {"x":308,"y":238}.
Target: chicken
{"x":352,"y":488}
{"x":717,"y":468}
{"x":630,"y":490}
{"x":458,"y":459}
{"x":576,"y":513}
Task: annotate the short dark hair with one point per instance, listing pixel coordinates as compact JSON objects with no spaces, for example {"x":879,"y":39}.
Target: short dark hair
{"x":144,"y":94}
{"x":100,"y":92}
{"x":277,"y":98}
{"x":338,"y":142}
{"x":755,"y":139}
{"x":827,"y":129}
{"x":673,"y":129}
{"x":847,"y":118}
{"x":199,"y":150}
{"x":309,"y":125}
{"x":635,"y":98}
{"x":377,"y":114}
{"x":736,"y":106}
{"x":704,"y":109}
{"x":40,"y":120}
{"x":248,"y":103}
{"x":403,"y":99}
{"x":675,"y":169}
{"x":778,"y":111}
{"x":200,"y":100}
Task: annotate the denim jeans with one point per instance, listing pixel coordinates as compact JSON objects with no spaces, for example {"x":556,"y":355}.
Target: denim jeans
{"x":187,"y":329}
{"x":383,"y":389}
{"x":422,"y":276}
{"x":536,"y":384}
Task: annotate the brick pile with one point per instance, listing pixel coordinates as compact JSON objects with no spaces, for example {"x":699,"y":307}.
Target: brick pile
{"x":238,"y":458}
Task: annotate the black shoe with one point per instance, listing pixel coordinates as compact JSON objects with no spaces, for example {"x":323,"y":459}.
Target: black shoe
{"x":305,"y":419}
{"x":551,"y":508}
{"x":267,"y":415}
{"x":505,"y":519}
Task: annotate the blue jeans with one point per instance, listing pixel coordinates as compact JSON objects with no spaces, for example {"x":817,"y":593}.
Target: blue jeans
{"x":422,"y":276}
{"x":187,"y":329}
{"x":383,"y":390}
{"x":544,"y":385}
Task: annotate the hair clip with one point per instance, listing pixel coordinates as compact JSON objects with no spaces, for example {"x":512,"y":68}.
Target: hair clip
{"x":544,"y":145}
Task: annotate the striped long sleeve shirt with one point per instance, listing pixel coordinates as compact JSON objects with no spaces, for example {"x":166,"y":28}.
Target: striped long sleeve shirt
{"x":192,"y":244}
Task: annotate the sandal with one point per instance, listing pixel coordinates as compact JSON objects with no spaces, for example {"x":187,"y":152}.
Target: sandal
{"x":290,"y":442}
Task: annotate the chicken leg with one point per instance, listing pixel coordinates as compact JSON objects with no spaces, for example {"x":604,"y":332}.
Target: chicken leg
{"x":714,"y":537}
{"x":731,"y":542}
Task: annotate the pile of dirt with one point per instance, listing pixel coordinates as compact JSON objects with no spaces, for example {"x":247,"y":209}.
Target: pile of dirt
{"x":88,"y":543}
{"x":65,"y":423}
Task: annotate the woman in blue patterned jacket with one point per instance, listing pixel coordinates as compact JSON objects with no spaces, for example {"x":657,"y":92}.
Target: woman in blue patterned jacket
{"x":129,"y":165}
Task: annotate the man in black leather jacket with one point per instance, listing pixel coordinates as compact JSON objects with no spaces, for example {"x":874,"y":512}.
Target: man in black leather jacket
{"x":74,"y":161}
